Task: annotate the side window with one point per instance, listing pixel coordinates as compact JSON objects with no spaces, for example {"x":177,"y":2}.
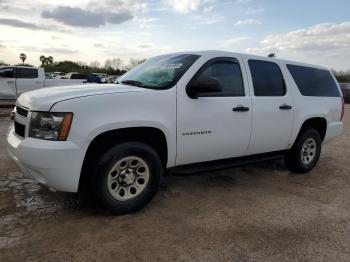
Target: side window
{"x":227,"y":72}
{"x":314,"y":81}
{"x":267,"y":78}
{"x":78,"y":76}
{"x":6,"y":72}
{"x":26,"y":73}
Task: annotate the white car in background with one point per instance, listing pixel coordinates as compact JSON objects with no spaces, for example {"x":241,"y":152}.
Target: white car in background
{"x":16,"y":80}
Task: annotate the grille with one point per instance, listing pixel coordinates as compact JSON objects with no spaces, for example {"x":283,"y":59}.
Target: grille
{"x":20,"y":129}
{"x":21,"y":111}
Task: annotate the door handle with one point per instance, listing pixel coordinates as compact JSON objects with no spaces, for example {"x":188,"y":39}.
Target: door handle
{"x":285,"y":107}
{"x":240,"y":109}
{"x":11,"y":82}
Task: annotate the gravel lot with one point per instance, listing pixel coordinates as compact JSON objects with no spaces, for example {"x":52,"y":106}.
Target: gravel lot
{"x":255,"y":213}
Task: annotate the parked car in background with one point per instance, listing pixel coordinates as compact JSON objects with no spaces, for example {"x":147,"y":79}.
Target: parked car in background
{"x":58,"y":75}
{"x":91,"y":78}
{"x":113,"y":79}
{"x":15,"y":80}
{"x":103,"y":77}
{"x":76,"y":75}
{"x":186,"y":112}
{"x":345,"y":88}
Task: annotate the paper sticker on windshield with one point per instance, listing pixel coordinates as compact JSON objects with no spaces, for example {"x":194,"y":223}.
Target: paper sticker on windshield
{"x":172,"y":66}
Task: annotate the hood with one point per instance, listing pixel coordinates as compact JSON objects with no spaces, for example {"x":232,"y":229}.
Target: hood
{"x":43,"y":99}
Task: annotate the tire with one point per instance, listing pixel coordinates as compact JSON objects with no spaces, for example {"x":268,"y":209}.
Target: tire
{"x":127,"y":177}
{"x":305,"y":153}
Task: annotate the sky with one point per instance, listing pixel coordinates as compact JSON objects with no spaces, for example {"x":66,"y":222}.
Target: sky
{"x":312,"y":31}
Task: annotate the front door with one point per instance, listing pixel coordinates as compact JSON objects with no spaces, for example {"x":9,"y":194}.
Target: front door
{"x":7,"y":83}
{"x":214,"y":125}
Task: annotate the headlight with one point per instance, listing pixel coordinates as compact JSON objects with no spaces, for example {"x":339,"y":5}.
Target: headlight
{"x":50,"y":126}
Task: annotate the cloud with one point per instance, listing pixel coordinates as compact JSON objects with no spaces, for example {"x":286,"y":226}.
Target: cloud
{"x":243,"y":1}
{"x":19,"y":23}
{"x":184,"y":6}
{"x":321,"y":37}
{"x":75,"y":16}
{"x":96,"y":13}
{"x":249,"y":21}
{"x":145,"y":46}
{"x":209,"y":19}
{"x":325,"y":44}
{"x":255,"y":11}
{"x":50,"y":50}
{"x":236,"y":40}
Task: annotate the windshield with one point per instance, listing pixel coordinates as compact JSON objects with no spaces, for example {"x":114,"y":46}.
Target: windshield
{"x":160,"y":72}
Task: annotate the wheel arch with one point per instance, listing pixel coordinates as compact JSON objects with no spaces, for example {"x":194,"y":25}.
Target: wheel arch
{"x":319,"y":123}
{"x":101,"y":143}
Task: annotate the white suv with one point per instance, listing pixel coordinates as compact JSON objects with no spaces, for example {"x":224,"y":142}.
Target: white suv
{"x":186,"y":112}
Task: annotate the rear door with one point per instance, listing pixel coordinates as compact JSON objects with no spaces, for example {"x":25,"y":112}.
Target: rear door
{"x":27,"y":79}
{"x":272,"y":105}
{"x":7,"y":83}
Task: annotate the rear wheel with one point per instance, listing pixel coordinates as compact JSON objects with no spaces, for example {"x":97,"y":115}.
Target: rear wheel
{"x":305,"y":153}
{"x":127,"y":177}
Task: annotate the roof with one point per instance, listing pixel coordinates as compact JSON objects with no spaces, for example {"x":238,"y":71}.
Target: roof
{"x":219,"y":53}
{"x":18,"y":66}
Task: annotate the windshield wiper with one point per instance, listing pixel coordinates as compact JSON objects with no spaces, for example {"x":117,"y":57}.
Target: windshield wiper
{"x":133,"y":83}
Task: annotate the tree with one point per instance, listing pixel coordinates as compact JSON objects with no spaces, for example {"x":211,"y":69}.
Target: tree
{"x":108,"y":63}
{"x":95,"y":64}
{"x":272,"y":55}
{"x":23,"y":57}
{"x":46,"y":60}
{"x":2,"y":63}
{"x":117,"y":63}
{"x":134,"y":62}
{"x":42,"y":60}
{"x":49,"y":60}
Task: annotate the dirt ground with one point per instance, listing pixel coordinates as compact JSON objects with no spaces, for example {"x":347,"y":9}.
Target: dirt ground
{"x":255,"y":213}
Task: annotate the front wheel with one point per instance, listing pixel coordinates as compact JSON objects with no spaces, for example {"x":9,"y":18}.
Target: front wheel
{"x":305,"y":153}
{"x":127,"y":177}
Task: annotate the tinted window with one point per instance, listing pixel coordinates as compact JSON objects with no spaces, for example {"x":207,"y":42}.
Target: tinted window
{"x":267,"y":78}
{"x":6,"y":72}
{"x":227,"y":73}
{"x":313,"y":81}
{"x":26,"y":73}
{"x":78,"y":76}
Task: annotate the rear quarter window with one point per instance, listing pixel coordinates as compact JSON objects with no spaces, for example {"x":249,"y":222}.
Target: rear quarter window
{"x":313,"y":81}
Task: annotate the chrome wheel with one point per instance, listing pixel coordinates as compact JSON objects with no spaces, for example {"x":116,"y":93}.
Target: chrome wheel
{"x":308,"y":151}
{"x":128,"y":178}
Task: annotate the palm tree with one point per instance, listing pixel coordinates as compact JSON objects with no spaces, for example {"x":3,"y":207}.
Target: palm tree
{"x":23,"y":57}
{"x":49,"y":60}
{"x":42,"y":60}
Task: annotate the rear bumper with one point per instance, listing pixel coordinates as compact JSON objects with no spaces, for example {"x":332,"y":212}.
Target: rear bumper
{"x":56,"y":164}
{"x":333,"y":130}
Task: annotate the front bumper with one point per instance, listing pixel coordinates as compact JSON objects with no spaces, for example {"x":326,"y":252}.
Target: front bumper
{"x":56,"y":164}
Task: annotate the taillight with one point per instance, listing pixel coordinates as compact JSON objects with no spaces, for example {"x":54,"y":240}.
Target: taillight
{"x":342,"y":109}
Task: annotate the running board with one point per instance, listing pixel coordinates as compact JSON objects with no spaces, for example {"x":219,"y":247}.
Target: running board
{"x":227,"y":163}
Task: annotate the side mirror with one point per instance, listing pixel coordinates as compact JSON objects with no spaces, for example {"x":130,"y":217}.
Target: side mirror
{"x":209,"y":85}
